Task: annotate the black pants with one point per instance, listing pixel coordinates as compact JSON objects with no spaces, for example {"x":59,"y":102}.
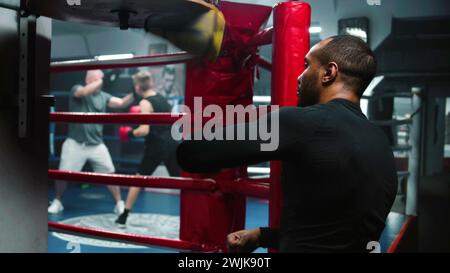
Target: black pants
{"x":157,"y":151}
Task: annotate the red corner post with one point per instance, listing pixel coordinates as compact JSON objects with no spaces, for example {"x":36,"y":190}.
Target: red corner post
{"x":207,"y":217}
{"x":291,"y":43}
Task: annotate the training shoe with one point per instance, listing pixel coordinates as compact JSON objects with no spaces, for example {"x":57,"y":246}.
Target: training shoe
{"x":55,"y":207}
{"x":119,"y":208}
{"x":121,"y":221}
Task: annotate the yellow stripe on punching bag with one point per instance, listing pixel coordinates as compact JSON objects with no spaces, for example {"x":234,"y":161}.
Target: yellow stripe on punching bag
{"x":202,"y":36}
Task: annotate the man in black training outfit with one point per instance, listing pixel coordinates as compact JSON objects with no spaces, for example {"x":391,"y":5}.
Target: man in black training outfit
{"x":338,"y":173}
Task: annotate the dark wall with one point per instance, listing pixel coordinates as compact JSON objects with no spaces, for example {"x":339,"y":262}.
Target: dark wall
{"x":23,"y":168}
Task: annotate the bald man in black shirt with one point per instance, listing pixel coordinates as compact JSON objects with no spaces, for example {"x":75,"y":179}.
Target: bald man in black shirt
{"x":338,"y":172}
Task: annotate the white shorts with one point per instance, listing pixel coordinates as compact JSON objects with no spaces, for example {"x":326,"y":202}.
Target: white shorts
{"x":74,"y":155}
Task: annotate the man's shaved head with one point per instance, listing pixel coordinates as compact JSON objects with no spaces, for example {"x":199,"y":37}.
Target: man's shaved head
{"x":338,"y":64}
{"x":94,"y":75}
{"x":354,"y":58}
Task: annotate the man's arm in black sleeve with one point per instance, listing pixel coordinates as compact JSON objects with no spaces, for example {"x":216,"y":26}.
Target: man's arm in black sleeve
{"x":212,"y":155}
{"x":290,"y":129}
{"x":270,"y":238}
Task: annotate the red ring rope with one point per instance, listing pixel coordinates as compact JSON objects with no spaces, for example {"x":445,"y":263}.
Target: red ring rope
{"x":250,"y":187}
{"x":131,"y":238}
{"x":154,"y":60}
{"x":394,"y":246}
{"x":154,"y":118}
{"x":134,"y":180}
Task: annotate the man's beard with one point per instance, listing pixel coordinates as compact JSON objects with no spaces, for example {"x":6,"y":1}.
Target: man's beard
{"x":307,"y":94}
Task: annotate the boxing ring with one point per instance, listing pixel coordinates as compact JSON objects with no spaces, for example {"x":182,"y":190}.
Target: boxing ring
{"x":211,"y":206}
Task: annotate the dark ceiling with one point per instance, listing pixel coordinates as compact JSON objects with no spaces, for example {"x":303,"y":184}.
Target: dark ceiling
{"x":416,"y":45}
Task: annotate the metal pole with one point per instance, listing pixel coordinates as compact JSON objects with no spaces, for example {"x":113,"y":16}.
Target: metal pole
{"x":414,"y":157}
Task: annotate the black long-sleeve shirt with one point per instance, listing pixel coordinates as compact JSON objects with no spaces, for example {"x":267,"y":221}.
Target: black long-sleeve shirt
{"x":338,"y":175}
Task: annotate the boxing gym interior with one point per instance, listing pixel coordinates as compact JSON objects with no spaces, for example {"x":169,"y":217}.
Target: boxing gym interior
{"x":243,"y":52}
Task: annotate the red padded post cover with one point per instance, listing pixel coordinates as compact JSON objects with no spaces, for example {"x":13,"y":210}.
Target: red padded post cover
{"x":209,"y":217}
{"x":290,"y":46}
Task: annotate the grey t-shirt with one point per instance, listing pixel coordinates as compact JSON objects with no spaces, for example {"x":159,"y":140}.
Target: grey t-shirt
{"x":90,"y":134}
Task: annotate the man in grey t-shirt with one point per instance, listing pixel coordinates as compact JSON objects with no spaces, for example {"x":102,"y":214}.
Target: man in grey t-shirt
{"x":85,"y":141}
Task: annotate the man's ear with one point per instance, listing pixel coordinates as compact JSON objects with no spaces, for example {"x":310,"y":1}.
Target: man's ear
{"x":330,"y":73}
